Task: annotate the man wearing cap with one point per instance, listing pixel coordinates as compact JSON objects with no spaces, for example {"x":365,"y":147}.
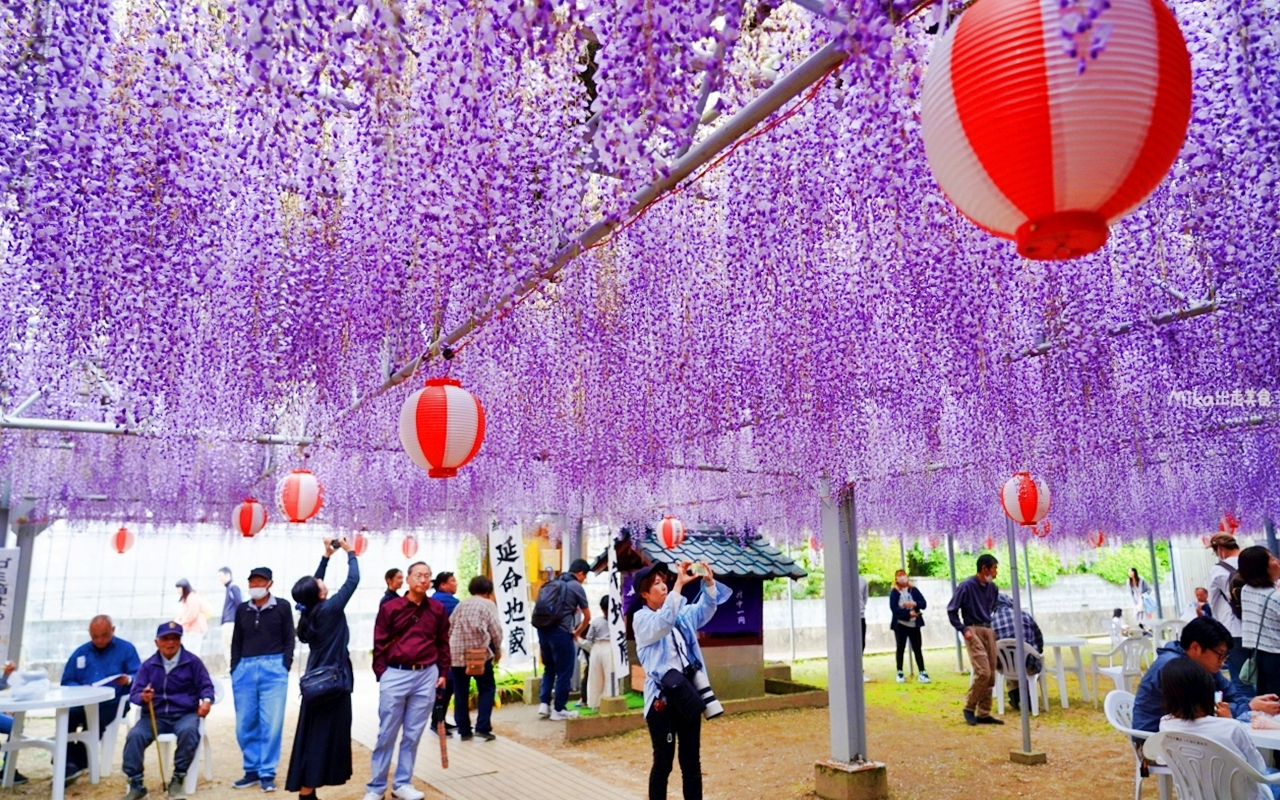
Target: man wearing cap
{"x":1225,"y":547}
{"x":559,"y":655}
{"x":261,"y":656}
{"x":410,"y":652}
{"x":174,"y":686}
{"x":104,"y":656}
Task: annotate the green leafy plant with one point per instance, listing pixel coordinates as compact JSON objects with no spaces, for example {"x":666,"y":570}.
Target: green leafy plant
{"x":468,"y":562}
{"x":1045,"y":565}
{"x":807,"y":588}
{"x":1112,"y":565}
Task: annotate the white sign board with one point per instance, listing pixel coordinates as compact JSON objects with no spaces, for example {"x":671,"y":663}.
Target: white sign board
{"x":8,"y":593}
{"x":511,"y":588}
{"x":617,"y":624}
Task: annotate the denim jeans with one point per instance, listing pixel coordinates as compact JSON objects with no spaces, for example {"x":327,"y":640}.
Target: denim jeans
{"x":487,"y":688}
{"x":405,"y":699}
{"x":559,"y":657}
{"x":187,"y":728}
{"x":260,"y":685}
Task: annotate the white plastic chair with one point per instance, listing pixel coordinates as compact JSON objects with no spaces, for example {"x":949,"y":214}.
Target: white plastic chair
{"x":1131,"y":653}
{"x":1007,"y":670}
{"x":168,"y":742}
{"x":1167,"y":631}
{"x":1119,"y":710}
{"x":106,"y":746}
{"x":1205,"y":770}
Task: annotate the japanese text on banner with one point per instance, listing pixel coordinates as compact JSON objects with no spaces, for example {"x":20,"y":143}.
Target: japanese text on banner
{"x":511,"y":588}
{"x":8,"y":583}
{"x":617,"y":625}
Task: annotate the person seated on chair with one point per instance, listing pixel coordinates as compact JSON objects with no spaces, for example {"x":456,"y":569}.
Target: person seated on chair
{"x":173,"y":690}
{"x":6,"y":721}
{"x":1206,"y":642}
{"x":105,"y":655}
{"x":1002,"y":623}
{"x":1187,"y":693}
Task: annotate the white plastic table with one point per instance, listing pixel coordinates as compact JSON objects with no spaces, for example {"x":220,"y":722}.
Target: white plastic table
{"x":60,"y":700}
{"x":1265,"y":739}
{"x":1075,"y":643}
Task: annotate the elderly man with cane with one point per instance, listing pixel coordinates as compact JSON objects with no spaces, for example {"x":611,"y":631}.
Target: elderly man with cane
{"x":175,"y":691}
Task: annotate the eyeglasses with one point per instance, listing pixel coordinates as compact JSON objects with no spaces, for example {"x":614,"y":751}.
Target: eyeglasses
{"x":1221,"y":654}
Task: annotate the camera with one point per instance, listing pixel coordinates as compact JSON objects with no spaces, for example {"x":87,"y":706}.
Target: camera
{"x":699,"y":569}
{"x":703,"y":685}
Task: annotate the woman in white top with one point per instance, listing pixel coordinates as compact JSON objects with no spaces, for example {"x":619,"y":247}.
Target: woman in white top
{"x":600,"y":663}
{"x":1144,"y":604}
{"x":1187,"y":689}
{"x":1260,"y":614}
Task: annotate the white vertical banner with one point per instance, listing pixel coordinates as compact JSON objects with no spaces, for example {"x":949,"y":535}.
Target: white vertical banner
{"x":8,"y":593}
{"x":617,"y":624}
{"x":511,"y":588}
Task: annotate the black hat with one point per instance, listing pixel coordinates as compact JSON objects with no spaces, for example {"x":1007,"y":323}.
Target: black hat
{"x":579,"y":565}
{"x":261,"y":572}
{"x":637,"y":602}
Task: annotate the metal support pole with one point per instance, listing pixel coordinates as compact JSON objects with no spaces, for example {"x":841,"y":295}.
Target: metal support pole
{"x":1155,"y":573}
{"x":1021,"y":652}
{"x":1270,"y":527}
{"x":844,"y":634}
{"x":1173,"y":573}
{"x":951,"y":561}
{"x":1026,"y":558}
{"x":791,"y":610}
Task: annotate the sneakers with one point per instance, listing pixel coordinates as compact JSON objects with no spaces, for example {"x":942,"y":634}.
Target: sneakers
{"x":136,"y":792}
{"x":486,"y":735}
{"x":923,"y":677}
{"x":901,"y":678}
{"x":544,"y":710}
{"x":373,"y":796}
{"x":177,"y":786}
{"x":559,"y":716}
{"x":866,"y":678}
{"x":249,"y":780}
{"x":268,"y":784}
{"x":466,"y":737}
{"x":407,"y":792}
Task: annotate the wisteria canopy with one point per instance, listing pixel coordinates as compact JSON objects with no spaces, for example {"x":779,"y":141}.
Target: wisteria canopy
{"x":225,"y":220}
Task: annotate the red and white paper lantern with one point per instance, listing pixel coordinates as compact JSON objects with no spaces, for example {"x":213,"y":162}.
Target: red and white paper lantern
{"x":409,"y":546}
{"x":991,"y":542}
{"x":441,"y":427}
{"x":122,"y":540}
{"x":1025,"y":499}
{"x":359,"y":543}
{"x":1042,"y":531}
{"x":300,"y":496}
{"x":1096,"y":538}
{"x":249,"y":518}
{"x":1046,"y":121}
{"x":670,"y":532}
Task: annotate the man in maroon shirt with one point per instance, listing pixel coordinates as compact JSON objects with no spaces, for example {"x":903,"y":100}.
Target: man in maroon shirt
{"x":410,"y":656}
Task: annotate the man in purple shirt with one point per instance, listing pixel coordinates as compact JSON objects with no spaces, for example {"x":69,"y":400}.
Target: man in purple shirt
{"x":410,"y":652}
{"x":970,"y":613}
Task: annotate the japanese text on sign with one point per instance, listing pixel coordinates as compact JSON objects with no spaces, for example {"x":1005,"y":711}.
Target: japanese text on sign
{"x":511,"y":587}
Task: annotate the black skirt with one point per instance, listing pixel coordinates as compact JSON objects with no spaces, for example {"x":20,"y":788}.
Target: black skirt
{"x":322,"y":746}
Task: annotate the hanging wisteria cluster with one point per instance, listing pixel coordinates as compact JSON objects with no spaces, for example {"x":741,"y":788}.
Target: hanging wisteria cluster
{"x":224,"y":222}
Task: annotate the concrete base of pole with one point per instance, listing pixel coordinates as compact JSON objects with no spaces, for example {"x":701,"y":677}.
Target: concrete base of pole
{"x":532,"y":689}
{"x":613,"y":705}
{"x":839,"y":781}
{"x":1030,"y":759}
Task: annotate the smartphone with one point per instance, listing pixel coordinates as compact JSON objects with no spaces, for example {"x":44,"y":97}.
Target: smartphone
{"x":699,"y":570}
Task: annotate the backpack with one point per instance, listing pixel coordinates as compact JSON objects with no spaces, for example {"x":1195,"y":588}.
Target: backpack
{"x":549,"y":608}
{"x":1232,"y":595}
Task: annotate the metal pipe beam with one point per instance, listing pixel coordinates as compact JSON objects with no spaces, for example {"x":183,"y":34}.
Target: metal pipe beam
{"x":62,"y":425}
{"x":25,"y":404}
{"x":1155,"y":573}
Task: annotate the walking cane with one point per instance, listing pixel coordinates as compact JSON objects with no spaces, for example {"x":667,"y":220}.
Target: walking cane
{"x":438,"y":712}
{"x":155,"y":736}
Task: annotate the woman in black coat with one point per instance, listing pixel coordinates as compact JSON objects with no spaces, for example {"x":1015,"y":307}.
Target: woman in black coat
{"x":906,"y":603}
{"x":322,"y":744}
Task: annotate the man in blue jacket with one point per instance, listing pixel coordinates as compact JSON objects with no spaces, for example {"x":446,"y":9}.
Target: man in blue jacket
{"x":104,"y":656}
{"x":175,"y":684}
{"x":1206,"y":642}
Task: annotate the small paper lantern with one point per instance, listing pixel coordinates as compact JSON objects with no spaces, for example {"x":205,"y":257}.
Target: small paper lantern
{"x":300,"y":496}
{"x":1229,"y":523}
{"x":933,"y":541}
{"x":991,"y":542}
{"x":1025,"y":500}
{"x":249,"y":518}
{"x":1043,"y":530}
{"x":1096,"y":538}
{"x":409,"y":546}
{"x":814,"y":544}
{"x":122,"y":540}
{"x":1046,"y":121}
{"x":441,"y":427}
{"x":359,"y":543}
{"x":670,"y":532}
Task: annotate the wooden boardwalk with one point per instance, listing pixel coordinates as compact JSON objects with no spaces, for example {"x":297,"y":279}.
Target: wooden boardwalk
{"x":480,"y":770}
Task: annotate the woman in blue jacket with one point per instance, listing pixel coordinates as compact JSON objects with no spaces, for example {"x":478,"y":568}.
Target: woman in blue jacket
{"x":906,"y":604}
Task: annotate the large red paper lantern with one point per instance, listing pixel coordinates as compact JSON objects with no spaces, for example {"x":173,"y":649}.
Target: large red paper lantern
{"x":1025,"y":499}
{"x":670,"y":532}
{"x":359,"y":543}
{"x":1229,"y":523}
{"x":1046,"y":121}
{"x":249,"y":518}
{"x":409,"y":546}
{"x":441,"y":427}
{"x":122,"y":540}
{"x":300,"y":496}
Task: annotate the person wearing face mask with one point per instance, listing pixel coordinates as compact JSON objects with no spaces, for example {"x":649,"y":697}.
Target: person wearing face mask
{"x":261,"y":656}
{"x":970,"y":613}
{"x":906,"y":604}
{"x":322,"y":744}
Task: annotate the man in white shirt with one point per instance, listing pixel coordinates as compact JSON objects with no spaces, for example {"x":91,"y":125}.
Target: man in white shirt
{"x":1225,"y":547}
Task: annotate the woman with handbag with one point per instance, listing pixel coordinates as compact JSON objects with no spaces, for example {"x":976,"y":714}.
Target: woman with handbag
{"x":1260,"y":617}
{"x":666,"y":628}
{"x":322,"y":744}
{"x":475,"y":645}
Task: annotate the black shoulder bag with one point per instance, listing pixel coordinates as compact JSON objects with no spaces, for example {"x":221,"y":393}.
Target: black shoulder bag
{"x":677,"y":685}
